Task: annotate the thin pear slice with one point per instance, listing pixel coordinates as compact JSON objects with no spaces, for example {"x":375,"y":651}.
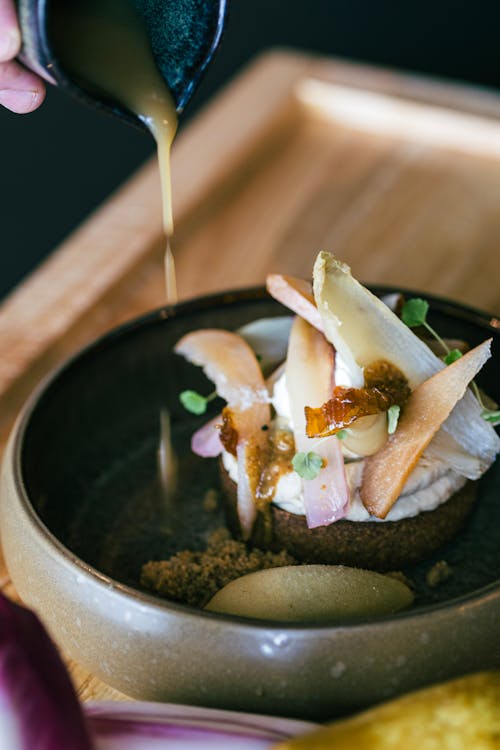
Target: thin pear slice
{"x":296,"y":294}
{"x":309,"y":379}
{"x":312,"y":593}
{"x":229,"y":362}
{"x":386,"y":472}
{"x":363,"y":329}
{"x":232,"y":366}
{"x":205,"y":442}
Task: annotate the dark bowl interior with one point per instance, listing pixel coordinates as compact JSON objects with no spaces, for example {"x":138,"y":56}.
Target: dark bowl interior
{"x":90,"y":464}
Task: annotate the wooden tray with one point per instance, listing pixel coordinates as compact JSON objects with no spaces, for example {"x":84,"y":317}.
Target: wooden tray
{"x":398,"y":175}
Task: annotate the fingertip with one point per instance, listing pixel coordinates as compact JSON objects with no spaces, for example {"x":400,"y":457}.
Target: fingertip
{"x":21,"y":91}
{"x":22,"y":102}
{"x":38,"y":96}
{"x":10,"y":43}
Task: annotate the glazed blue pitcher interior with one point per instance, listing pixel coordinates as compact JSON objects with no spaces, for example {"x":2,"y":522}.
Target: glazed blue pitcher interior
{"x":183,"y":35}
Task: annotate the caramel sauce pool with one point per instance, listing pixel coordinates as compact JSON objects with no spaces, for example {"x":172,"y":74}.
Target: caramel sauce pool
{"x":104,"y":45}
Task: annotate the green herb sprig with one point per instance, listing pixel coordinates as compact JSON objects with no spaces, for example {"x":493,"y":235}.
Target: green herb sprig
{"x":307,"y":465}
{"x":194,"y":402}
{"x":414,"y":314}
{"x":393,"y":418}
{"x":452,"y":356}
{"x":491,"y":415}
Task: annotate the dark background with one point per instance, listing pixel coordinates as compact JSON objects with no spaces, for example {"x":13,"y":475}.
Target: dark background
{"x":61,"y":161}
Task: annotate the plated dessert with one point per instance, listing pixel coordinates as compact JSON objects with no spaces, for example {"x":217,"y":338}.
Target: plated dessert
{"x":347,"y":436}
{"x":83,"y":532}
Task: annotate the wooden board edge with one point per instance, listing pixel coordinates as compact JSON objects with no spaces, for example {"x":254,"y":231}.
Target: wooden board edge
{"x":416,"y":87}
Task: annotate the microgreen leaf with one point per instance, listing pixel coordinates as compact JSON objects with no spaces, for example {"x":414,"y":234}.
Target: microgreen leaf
{"x":307,"y":465}
{"x":491,"y":416}
{"x":194,"y":402}
{"x":341,"y":434}
{"x":414,"y":312}
{"x":392,"y":418}
{"x":452,"y":356}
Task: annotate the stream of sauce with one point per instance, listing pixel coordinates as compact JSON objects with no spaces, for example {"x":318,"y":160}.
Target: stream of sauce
{"x":104,"y":45}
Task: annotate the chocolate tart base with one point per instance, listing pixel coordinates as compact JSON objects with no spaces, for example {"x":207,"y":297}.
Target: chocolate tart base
{"x":371,"y":544}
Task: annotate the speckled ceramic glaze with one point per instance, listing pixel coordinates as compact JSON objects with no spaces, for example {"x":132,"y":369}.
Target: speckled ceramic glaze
{"x":184,"y":35}
{"x":81,"y":511}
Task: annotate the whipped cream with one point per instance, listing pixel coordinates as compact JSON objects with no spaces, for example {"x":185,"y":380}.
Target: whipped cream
{"x":429,"y":485}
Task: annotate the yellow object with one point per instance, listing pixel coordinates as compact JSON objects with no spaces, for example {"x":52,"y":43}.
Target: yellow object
{"x":463,"y":714}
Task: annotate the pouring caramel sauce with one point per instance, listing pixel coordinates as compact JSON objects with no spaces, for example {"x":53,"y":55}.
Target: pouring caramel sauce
{"x":105,"y":46}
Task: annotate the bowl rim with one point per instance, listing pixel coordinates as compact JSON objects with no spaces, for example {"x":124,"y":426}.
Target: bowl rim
{"x":159,"y":316}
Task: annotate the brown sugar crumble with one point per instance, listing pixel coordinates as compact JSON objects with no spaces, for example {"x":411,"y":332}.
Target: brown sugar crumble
{"x":193,"y":577}
{"x":439,"y":573}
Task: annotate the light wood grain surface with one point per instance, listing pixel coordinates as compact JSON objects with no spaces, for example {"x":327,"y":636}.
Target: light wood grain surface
{"x":397,"y":175}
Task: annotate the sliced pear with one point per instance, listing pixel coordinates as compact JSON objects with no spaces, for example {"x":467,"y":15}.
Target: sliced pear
{"x":229,"y":362}
{"x":309,"y":380}
{"x":312,"y":593}
{"x":206,"y":442}
{"x":232,"y":366}
{"x":386,"y":472}
{"x":462,"y":714}
{"x":363,"y":329}
{"x":296,"y":294}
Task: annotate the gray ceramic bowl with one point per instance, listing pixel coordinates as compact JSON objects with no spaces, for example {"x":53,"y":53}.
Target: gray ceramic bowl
{"x":81,"y":511}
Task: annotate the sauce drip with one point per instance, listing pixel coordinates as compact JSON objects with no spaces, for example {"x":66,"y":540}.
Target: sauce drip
{"x":104,"y":45}
{"x":278,"y":461}
{"x":170,"y":276}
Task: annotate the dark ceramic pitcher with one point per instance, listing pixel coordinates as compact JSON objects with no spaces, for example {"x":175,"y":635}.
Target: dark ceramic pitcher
{"x":183,"y":34}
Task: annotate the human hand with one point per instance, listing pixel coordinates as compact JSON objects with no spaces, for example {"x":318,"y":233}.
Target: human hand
{"x":21,"y":90}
